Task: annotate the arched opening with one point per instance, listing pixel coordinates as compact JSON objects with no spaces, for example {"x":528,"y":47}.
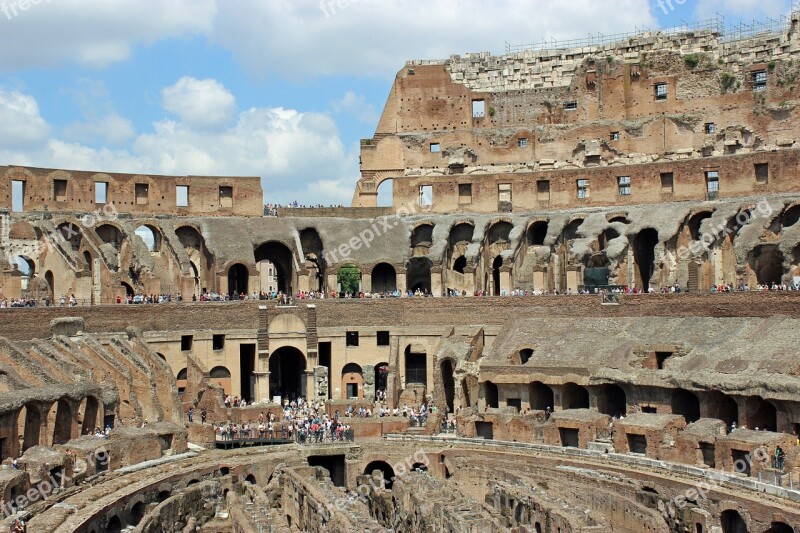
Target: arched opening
{"x":685,"y":404}
{"x":314,"y":255}
{"x":422,"y":235}
{"x":137,"y":513}
{"x":352,"y":381}
{"x":114,"y":525}
{"x":222,"y":377}
{"x":611,"y":400}
{"x":384,"y":278}
{"x":418,"y":274}
{"x":199,"y":256}
{"x":62,"y":427}
{"x":722,"y":407}
{"x":500,"y":232}
{"x":608,"y":234}
{"x":461,"y":233}
{"x":574,"y":396}
{"x":287,"y":367}
{"x":195,"y":277}
{"x":416,"y":360}
{"x":761,"y":414}
{"x":790,"y":216}
{"x":162,"y":496}
{"x":491,"y":395}
{"x":570,"y":232}
{"x":251,"y":479}
{"x":460,"y":264}
{"x":110,"y":234}
{"x":644,"y":254}
{"x":780,"y":527}
{"x":90,"y":407}
{"x":27,"y":268}
{"x":349,"y":279}
{"x":29,"y":425}
{"x":150,"y":236}
{"x":386,"y":193}
{"x":419,"y":467}
{"x":383,"y":467}
{"x":87,"y":258}
{"x":766,"y":260}
{"x":540,"y":396}
{"x":496,"y":264}
{"x":181,"y":380}
{"x":537,"y":232}
{"x":622,"y":219}
{"x":128,"y":289}
{"x":72,"y":235}
{"x":449,"y":384}
{"x":161,"y":356}
{"x":732,"y":522}
{"x":695,"y":222}
{"x":282,"y":258}
{"x":238,"y":278}
{"x":51,"y":285}
{"x":525,"y":355}
{"x":381,"y":377}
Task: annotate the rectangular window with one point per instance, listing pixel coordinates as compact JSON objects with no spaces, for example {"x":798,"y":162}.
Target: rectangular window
{"x":59,"y":190}
{"x":543,"y":190}
{"x":225,"y":196}
{"x":478,"y":108}
{"x":624,"y":184}
{"x":504,"y":197}
{"x":140,"y":193}
{"x":583,"y":188}
{"x":710,"y":127}
{"x":218,"y":342}
{"x":100,"y":192}
{"x":614,"y":136}
{"x":383,"y":338}
{"x":18,"y":196}
{"x":464,"y":193}
{"x":426,"y":195}
{"x":351,"y":338}
{"x":759,"y":80}
{"x":182,"y":196}
{"x":572,"y":105}
{"x":762,"y":172}
{"x":435,"y":148}
{"x":523,"y":142}
{"x":667,"y":182}
{"x":661,"y":91}
{"x":186,"y":342}
{"x":712,"y":184}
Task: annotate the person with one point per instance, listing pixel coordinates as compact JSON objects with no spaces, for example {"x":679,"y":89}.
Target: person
{"x":779,"y":456}
{"x":190,"y":414}
{"x":203,"y":415}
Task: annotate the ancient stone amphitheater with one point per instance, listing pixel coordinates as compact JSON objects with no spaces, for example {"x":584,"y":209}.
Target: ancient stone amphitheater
{"x":609,"y":236}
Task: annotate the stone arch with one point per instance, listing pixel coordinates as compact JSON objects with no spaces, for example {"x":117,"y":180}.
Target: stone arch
{"x":790,"y":216}
{"x":540,"y":396}
{"x":461,"y":232}
{"x":287,"y":367}
{"x":499,"y":232}
{"x":695,"y":221}
{"x":49,"y":279}
{"x":381,"y":376}
{"x":26,"y":267}
{"x":181,"y":380}
{"x":722,"y":407}
{"x":314,"y":255}
{"x":574,"y":396}
{"x":352,"y":381}
{"x":491,"y":395}
{"x":385,"y":468}
{"x":286,"y":323}
{"x":686,"y":404}
{"x":644,"y":255}
{"x":537,"y":232}
{"x":71,"y":234}
{"x":128,"y":289}
{"x":416,"y":364}
{"x":282,"y":257}
{"x":611,"y":400}
{"x":422,"y":235}
{"x":29,"y":425}
{"x":571,"y":230}
{"x":110,"y":234}
{"x":761,"y":414}
{"x":238,"y":279}
{"x":137,"y":512}
{"x":732,"y":522}
{"x":766,"y":260}
{"x":200,"y":256}
{"x":88,"y":414}
{"x":497,"y":263}
{"x":608,"y":234}
{"x":460,"y":264}
{"x":151,"y":236}
{"x":61,"y":417}
{"x":348,"y":277}
{"x":251,"y":479}
{"x":222,"y":377}
{"x":114,"y":525}
{"x":384,"y":278}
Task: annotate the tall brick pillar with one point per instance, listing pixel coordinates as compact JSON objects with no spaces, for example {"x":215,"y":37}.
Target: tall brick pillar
{"x":261,"y":371}
{"x":312,"y":346}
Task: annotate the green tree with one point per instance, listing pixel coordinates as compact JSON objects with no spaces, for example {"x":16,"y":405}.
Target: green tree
{"x":349,"y":278}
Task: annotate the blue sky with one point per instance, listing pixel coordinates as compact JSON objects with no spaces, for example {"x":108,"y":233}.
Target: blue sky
{"x":282,"y":89}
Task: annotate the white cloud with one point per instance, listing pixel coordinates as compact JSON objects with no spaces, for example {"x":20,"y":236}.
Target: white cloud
{"x":374,"y":38}
{"x":21,"y":123}
{"x":112,"y":128}
{"x":94,"y":33}
{"x":748,"y":9}
{"x":358,"y":107}
{"x":200,"y":103}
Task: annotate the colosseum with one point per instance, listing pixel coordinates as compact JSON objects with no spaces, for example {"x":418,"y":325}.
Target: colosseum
{"x":577,"y":316}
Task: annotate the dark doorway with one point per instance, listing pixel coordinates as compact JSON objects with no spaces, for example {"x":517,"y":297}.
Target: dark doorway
{"x":324,"y":358}
{"x":574,"y":397}
{"x":384,"y":278}
{"x":637,"y":443}
{"x":541,"y":396}
{"x":611,"y":400}
{"x":287,"y":368}
{"x":418,"y":274}
{"x":381,"y":376}
{"x":282,"y":259}
{"x":761,"y":414}
{"x":644,"y":254}
{"x":91,"y":406}
{"x":741,"y":462}
{"x":334,"y":464}
{"x":780,"y":527}
{"x":114,"y":525}
{"x":496,"y":264}
{"x":707,"y":450}
{"x":490,"y":395}
{"x":62,"y":431}
{"x":722,"y":407}
{"x":449,"y":384}
{"x":484,"y":430}
{"x":686,"y":404}
{"x":385,"y":468}
{"x":416,"y":367}
{"x":247,"y":362}
{"x":238,"y":278}
{"x":732,"y":522}
{"x":766,"y":260}
{"x":569,"y":437}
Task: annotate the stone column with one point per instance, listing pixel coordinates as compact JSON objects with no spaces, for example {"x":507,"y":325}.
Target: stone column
{"x":436,"y":280}
{"x":369,"y":382}
{"x":469,"y":280}
{"x":366,"y":280}
{"x":321,"y":383}
{"x":261,"y":371}
{"x":505,"y":278}
{"x":401,"y":281}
